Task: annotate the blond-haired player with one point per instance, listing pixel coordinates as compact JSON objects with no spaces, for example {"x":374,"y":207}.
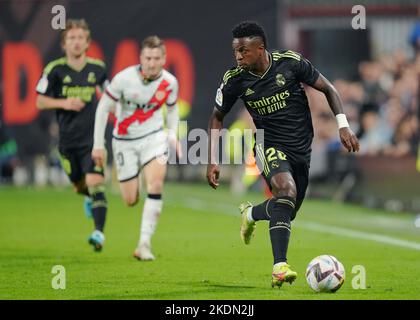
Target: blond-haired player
{"x":137,"y":95}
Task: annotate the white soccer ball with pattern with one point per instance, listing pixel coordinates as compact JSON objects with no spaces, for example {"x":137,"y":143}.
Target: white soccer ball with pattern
{"x":325,"y":274}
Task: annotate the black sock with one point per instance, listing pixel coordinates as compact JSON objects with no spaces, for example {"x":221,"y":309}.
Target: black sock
{"x":263,"y":210}
{"x":99,"y":207}
{"x":281,"y":214}
{"x":156,"y":196}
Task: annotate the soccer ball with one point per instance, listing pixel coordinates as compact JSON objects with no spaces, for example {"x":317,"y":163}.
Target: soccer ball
{"x":325,"y":274}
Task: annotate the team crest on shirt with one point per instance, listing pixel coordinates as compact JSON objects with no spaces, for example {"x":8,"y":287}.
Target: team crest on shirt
{"x":160,"y":95}
{"x":91,"y":77}
{"x":280,"y":80}
{"x":67,"y":79}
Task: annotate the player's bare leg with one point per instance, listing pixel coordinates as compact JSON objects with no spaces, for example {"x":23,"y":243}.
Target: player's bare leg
{"x":130,"y":191}
{"x":154,"y":173}
{"x":96,"y":189}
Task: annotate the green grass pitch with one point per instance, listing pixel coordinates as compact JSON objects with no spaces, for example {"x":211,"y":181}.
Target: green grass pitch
{"x":198,"y":249}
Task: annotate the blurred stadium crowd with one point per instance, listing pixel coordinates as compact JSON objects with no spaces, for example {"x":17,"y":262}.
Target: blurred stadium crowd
{"x":381,"y":105}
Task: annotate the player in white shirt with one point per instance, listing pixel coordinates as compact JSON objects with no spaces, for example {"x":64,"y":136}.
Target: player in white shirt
{"x":136,"y":96}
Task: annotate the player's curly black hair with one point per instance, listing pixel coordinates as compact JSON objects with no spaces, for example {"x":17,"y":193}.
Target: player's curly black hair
{"x":249,"y":29}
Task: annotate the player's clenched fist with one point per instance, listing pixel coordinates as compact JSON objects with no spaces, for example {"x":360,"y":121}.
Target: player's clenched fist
{"x":99,"y":157}
{"x":176,"y":145}
{"x":349,"y":140}
{"x":73,"y":104}
{"x":213,"y":172}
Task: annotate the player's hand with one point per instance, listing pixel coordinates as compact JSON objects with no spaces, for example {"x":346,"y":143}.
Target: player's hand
{"x":349,"y":140}
{"x":174,"y":142}
{"x":213,"y":172}
{"x":99,"y":157}
{"x":73,"y":104}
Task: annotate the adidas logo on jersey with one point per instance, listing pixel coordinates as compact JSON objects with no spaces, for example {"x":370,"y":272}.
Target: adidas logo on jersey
{"x":67,"y":79}
{"x":249,"y":92}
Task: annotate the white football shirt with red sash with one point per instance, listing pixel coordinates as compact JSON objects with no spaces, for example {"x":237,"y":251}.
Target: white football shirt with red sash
{"x":139,"y":111}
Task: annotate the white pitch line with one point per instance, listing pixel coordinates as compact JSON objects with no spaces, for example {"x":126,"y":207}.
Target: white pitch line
{"x":314,"y":226}
{"x":198,"y":204}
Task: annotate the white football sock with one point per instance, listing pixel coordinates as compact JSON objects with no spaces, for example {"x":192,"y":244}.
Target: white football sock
{"x":151,"y":212}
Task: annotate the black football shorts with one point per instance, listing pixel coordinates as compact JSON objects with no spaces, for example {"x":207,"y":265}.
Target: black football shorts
{"x":77,"y":162}
{"x":271,"y":161}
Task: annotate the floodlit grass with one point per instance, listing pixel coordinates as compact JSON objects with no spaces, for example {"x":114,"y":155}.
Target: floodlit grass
{"x":198,"y":249}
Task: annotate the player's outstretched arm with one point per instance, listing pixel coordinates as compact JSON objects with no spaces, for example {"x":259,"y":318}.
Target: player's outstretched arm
{"x":172,"y":122}
{"x":347,"y":137}
{"x":215,"y":124}
{"x":105,"y":105}
{"x":70,"y":104}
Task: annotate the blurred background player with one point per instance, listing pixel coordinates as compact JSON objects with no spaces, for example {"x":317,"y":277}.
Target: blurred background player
{"x":140,"y":143}
{"x":69,"y":86}
{"x":270,"y":86}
